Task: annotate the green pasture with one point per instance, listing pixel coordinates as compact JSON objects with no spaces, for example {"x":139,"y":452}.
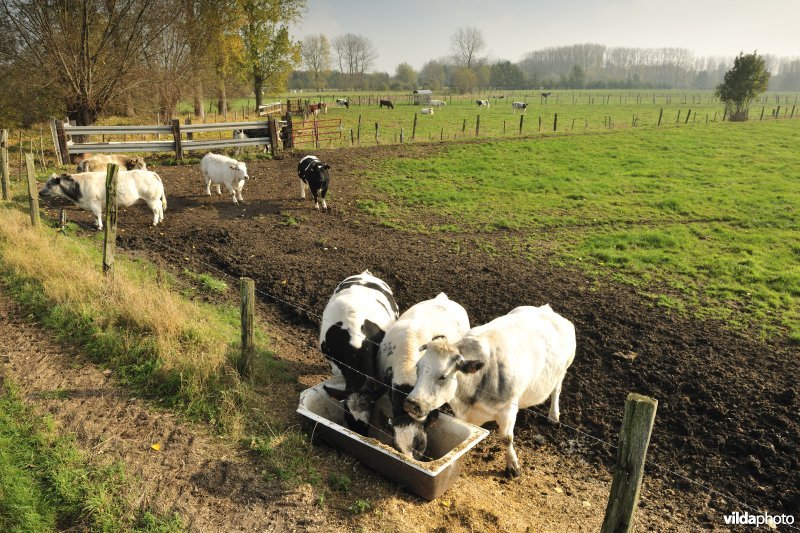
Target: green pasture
{"x":704,"y":219}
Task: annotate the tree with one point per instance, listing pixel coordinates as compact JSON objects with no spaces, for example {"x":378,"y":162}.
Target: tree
{"x":269,"y":53}
{"x":406,"y":76}
{"x":433,"y":74}
{"x":464,"y":80}
{"x":742,"y":84}
{"x":577,"y":77}
{"x":506,"y":75}
{"x":86,"y":49}
{"x":316,"y":54}
{"x":355,"y":55}
{"x":466,"y":44}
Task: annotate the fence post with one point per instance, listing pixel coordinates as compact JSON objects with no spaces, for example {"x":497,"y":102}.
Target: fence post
{"x":33,"y":194}
{"x":660,"y":114}
{"x":464,"y":127}
{"x":377,"y":133}
{"x":477,"y":125}
{"x":273,"y":137}
{"x":110,"y":233}
{"x":62,"y":143}
{"x":176,"y":135}
{"x":414,"y":128}
{"x":289,"y":132}
{"x":188,"y":122}
{"x":62,"y":221}
{"x":352,"y":137}
{"x":56,"y":148}
{"x":245,"y":364}
{"x":540,"y":122}
{"x":4,"y":164}
{"x":689,"y":114}
{"x":521,"y":117}
{"x":634,"y":437}
{"x":358,"y":128}
{"x":555,"y":121}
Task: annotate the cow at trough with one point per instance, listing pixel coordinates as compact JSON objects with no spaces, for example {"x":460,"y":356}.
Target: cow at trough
{"x":343,"y":102}
{"x":438,"y":103}
{"x":223,"y":170}
{"x":513,"y":362}
{"x":87,"y":190}
{"x":519,"y":105}
{"x":100,"y":162}
{"x":482,"y":103}
{"x":387,"y":103}
{"x":314,"y":173}
{"x":354,"y":322}
{"x":439,"y":317}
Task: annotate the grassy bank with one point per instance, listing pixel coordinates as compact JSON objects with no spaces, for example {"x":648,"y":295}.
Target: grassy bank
{"x":706,"y":219}
{"x":46,"y":483}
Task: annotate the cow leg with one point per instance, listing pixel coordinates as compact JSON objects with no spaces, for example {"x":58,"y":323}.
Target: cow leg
{"x":219,"y":189}
{"x":505,"y":425}
{"x":208,"y":185}
{"x":98,"y":216}
{"x":232,"y":191}
{"x":302,"y":189}
{"x":553,"y":415}
{"x":323,"y":193}
{"x":239,"y":191}
{"x":316,"y":199}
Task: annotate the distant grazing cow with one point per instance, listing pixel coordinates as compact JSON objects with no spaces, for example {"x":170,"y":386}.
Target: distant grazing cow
{"x":545,"y":95}
{"x":519,"y":105}
{"x":427,"y":111}
{"x":314,"y":173}
{"x":222,"y":170}
{"x":99,"y":162}
{"x":387,"y":103}
{"x":316,"y":108}
{"x":438,"y":103}
{"x":88,"y":191}
{"x":398,"y":356}
{"x":513,"y":362}
{"x":343,"y":102}
{"x":482,"y":103}
{"x":354,"y":322}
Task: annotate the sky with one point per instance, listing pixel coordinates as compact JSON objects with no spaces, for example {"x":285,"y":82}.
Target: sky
{"x":415,"y":31}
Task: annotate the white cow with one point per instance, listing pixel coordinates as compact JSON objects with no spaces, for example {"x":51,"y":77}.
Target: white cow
{"x":88,"y":191}
{"x":398,"y":356}
{"x":223,"y":170}
{"x":515,"y":361}
{"x":438,"y":103}
{"x":427,"y":111}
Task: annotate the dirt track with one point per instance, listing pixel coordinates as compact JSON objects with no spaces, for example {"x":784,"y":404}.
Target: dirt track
{"x":728,"y":412}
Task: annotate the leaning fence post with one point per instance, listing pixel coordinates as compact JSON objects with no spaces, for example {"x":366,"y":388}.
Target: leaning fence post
{"x":245,"y":365}
{"x":110,"y":222}
{"x":33,"y":194}
{"x":660,"y":114}
{"x":62,"y":142}
{"x":414,"y":128}
{"x":4,"y":164}
{"x":634,"y":437}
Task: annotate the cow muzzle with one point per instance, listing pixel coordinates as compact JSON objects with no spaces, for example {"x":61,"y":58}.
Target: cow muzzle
{"x":414,"y":409}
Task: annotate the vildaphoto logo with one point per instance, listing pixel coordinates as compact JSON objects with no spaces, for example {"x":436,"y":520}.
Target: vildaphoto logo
{"x":747,"y":519}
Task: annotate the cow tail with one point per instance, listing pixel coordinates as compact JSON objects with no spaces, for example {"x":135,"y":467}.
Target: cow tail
{"x":163,"y":196}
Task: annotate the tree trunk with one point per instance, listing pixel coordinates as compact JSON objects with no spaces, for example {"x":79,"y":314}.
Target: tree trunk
{"x":258,"y":85}
{"x":222,"y":99}
{"x":199,"y":109}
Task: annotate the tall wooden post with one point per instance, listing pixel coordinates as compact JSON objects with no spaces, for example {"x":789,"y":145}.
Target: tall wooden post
{"x":245,"y":364}
{"x":477,"y":125}
{"x":634,"y":437}
{"x":377,"y":133}
{"x":660,"y":114}
{"x":62,"y":142}
{"x":4,"y":165}
{"x":273,"y":137}
{"x":358,"y":129}
{"x":110,"y":222}
{"x":176,"y":135}
{"x":555,"y":121}
{"x":289,"y":132}
{"x":521,"y":118}
{"x":33,"y":194}
{"x":414,"y":128}
{"x":689,"y":114}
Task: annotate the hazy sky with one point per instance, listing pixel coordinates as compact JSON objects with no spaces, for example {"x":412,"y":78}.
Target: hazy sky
{"x":415,"y":31}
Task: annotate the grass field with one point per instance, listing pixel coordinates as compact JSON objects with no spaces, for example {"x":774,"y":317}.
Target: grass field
{"x":705,"y":219}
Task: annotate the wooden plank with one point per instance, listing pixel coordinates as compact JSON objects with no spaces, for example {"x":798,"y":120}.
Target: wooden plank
{"x":121,"y":147}
{"x":634,"y":438}
{"x":110,"y":225}
{"x":33,"y":193}
{"x":116,"y":130}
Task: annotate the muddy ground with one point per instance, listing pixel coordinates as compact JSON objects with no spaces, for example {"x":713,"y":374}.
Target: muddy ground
{"x":728,"y":408}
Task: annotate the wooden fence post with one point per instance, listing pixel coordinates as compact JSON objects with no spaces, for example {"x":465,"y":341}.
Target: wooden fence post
{"x":402,"y":136}
{"x":689,"y":114}
{"x":245,"y":364}
{"x":33,"y":194}
{"x":464,"y":127}
{"x":273,"y":137}
{"x":477,"y":125}
{"x":176,"y":135}
{"x":377,"y":134}
{"x":414,"y":128}
{"x":4,"y":165}
{"x":62,"y":143}
{"x":358,"y":128}
{"x":555,"y":121}
{"x":521,"y":118}
{"x":110,"y":222}
{"x":634,"y":437}
{"x":540,"y":122}
{"x":660,"y":114}
{"x":289,"y":132}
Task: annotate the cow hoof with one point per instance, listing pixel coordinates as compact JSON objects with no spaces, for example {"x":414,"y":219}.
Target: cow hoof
{"x":552,"y":421}
{"x":512,"y":472}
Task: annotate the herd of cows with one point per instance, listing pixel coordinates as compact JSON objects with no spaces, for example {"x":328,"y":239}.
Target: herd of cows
{"x":428,"y":356}
{"x":87,"y":187}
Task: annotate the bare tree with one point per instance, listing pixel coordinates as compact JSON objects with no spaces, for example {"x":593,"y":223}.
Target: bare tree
{"x":88,"y":48}
{"x":355,"y":55}
{"x":467,"y":43}
{"x":316,"y":54}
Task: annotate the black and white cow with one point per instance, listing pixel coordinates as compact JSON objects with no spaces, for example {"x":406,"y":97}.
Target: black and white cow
{"x":482,"y":103}
{"x":513,"y":362}
{"x":354,"y":323}
{"x":314,"y":173}
{"x":343,"y":102}
{"x":256,"y":133}
{"x":398,"y":356}
{"x":519,"y":105}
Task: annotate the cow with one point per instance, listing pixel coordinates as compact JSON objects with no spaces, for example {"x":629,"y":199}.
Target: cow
{"x":354,"y":322}
{"x":439,"y":317}
{"x":427,"y":111}
{"x":513,"y":362}
{"x":438,"y":103}
{"x":545,"y":95}
{"x":87,"y":190}
{"x":316,"y":108}
{"x":314,"y":173}
{"x":519,"y":105}
{"x":343,"y":102}
{"x":387,"y":103}
{"x":223,"y":170}
{"x":482,"y":103}
{"x":255,"y":133}
{"x":100,"y":162}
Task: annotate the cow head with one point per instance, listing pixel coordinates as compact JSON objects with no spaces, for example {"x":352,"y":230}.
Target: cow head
{"x":62,"y":186}
{"x":357,"y":406}
{"x":239,"y":171}
{"x":437,"y":373}
{"x":136,"y":163}
{"x":411,"y":437}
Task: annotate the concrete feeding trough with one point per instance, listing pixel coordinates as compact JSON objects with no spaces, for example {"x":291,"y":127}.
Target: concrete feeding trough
{"x":449,"y":439}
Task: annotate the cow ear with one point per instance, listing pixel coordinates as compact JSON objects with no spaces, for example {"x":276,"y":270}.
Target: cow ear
{"x":336,"y":394}
{"x":423,"y":347}
{"x":470,"y":367}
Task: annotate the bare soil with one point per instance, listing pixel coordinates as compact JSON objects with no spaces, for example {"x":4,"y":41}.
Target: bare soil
{"x":728,"y":415}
